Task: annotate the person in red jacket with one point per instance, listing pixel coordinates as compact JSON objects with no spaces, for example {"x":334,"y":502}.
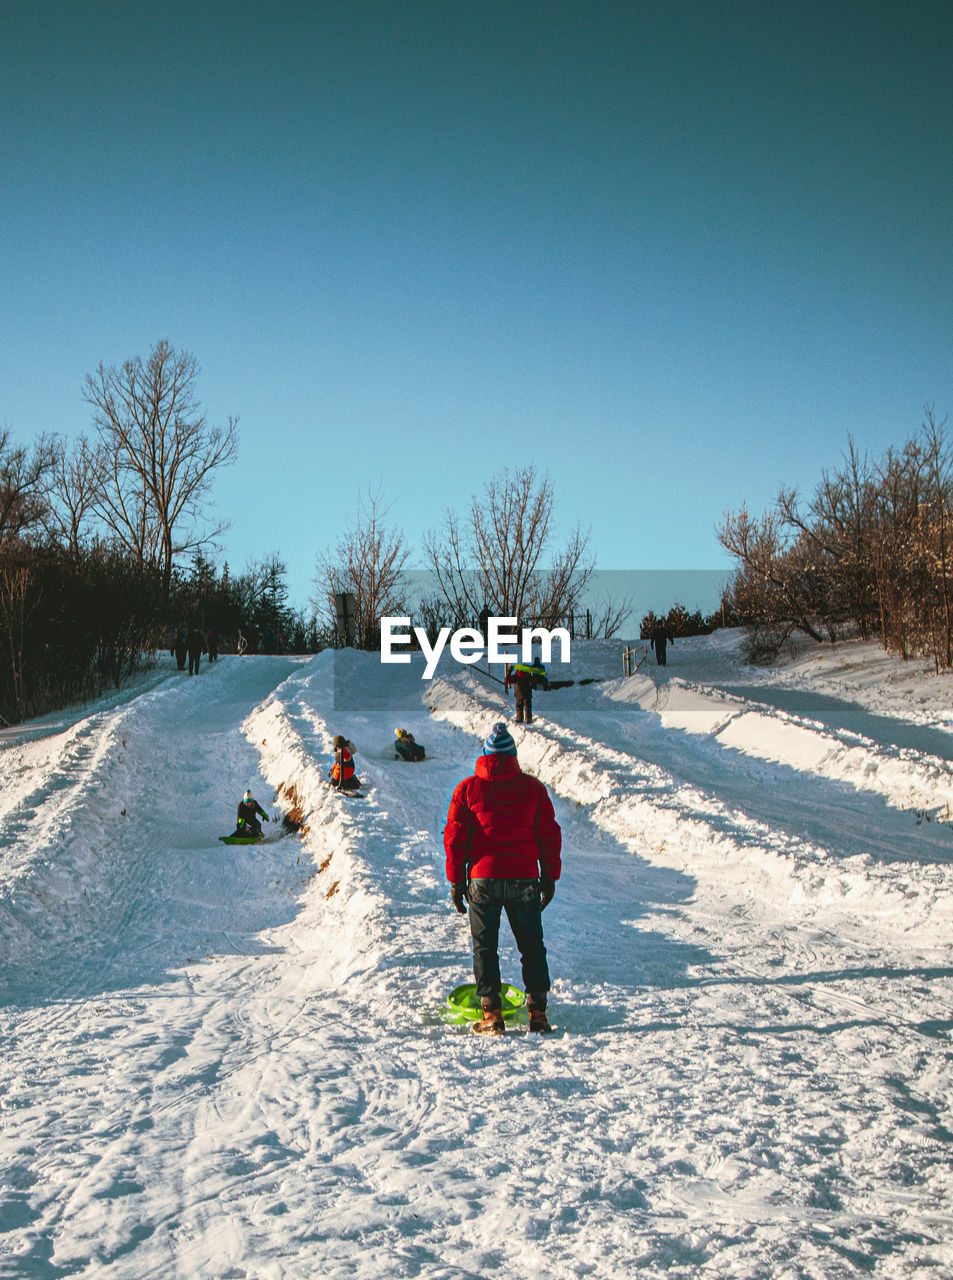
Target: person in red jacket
{"x":342,"y":772}
{"x":503,"y":844}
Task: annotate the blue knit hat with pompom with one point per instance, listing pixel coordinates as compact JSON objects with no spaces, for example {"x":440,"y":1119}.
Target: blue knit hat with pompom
{"x":500,"y":742}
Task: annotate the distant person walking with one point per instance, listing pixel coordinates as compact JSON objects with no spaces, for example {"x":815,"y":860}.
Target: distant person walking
{"x":661,"y":638}
{"x":196,"y":649}
{"x":180,"y":650}
{"x":503,"y":844}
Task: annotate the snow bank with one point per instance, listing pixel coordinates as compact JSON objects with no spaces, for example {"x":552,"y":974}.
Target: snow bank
{"x":225,"y":1063}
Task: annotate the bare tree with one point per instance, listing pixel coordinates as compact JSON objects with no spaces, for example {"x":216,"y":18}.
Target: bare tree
{"x":776,"y":585}
{"x":74,"y":491}
{"x":23,"y":508}
{"x":871,"y":551}
{"x":834,"y":531}
{"x":161,"y":454}
{"x":496,"y":562}
{"x":935,"y":536}
{"x":18,"y":600}
{"x":368,"y":562}
{"x":23,"y":474}
{"x":609,"y":616}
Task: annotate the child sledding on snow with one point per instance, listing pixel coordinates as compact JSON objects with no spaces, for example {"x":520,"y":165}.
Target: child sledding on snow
{"x":342,"y":772}
{"x":248,"y":813}
{"x":406,"y":748}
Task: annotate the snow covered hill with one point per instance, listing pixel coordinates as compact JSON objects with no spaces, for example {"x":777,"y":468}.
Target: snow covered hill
{"x":222,"y":1063}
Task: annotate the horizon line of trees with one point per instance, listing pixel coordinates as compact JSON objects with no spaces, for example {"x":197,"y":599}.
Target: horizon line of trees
{"x":103,"y":543}
{"x":106,"y":551}
{"x":680,"y":622}
{"x":868,"y":554}
{"x":497,"y":561}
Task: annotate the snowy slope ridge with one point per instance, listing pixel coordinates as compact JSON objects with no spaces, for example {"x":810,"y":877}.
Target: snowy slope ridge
{"x":100,"y":818}
{"x":293,"y":749}
{"x":659,"y":816}
{"x":909,"y":779}
{"x":228,"y":1063}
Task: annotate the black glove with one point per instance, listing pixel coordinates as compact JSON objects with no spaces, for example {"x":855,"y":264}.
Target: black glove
{"x":458,"y":895}
{"x":547,"y":887}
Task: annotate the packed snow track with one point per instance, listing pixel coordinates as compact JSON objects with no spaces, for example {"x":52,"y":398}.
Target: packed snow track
{"x":229,"y":1063}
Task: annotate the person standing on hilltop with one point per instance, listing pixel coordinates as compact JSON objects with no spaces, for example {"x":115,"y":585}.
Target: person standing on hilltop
{"x":661,"y":638}
{"x":525,"y":677}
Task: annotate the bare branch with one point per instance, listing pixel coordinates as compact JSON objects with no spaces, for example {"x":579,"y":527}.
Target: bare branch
{"x":161,"y":452}
{"x":493,"y":564}
{"x":368,"y":562}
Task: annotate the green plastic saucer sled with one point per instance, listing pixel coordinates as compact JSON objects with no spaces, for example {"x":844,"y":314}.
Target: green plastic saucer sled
{"x":463,"y":1004}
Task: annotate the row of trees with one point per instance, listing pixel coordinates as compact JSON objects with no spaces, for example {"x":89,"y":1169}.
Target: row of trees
{"x":500,"y":560}
{"x":870,"y":553}
{"x":106,"y":550}
{"x":79,"y":616}
{"x":254,"y":602}
{"x":64,"y":633}
{"x":679,"y":622}
{"x":96,"y":540}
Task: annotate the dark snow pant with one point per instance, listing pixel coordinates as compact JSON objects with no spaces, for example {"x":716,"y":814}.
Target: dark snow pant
{"x":194,"y":660}
{"x":524,"y":707}
{"x":488,"y":899}
{"x":660,"y":652}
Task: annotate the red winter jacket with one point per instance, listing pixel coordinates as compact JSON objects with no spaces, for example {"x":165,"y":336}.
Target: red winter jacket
{"x":348,"y":761}
{"x":501,"y":825}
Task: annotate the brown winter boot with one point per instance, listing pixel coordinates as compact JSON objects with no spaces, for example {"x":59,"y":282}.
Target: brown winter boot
{"x":491,"y":1024}
{"x":536,"y":1008}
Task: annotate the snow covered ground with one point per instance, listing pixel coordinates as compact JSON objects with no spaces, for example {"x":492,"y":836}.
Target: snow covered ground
{"x":222,"y":1063}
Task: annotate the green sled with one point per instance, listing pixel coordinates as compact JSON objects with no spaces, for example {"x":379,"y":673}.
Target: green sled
{"x":463,"y":1004}
{"x":241,"y":839}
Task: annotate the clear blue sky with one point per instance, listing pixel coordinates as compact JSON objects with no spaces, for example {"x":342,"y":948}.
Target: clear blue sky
{"x":670,"y":252}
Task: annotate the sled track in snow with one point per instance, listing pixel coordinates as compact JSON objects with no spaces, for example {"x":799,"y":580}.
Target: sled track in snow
{"x":51,"y":778}
{"x":285,"y":1104}
{"x":665,"y":819}
{"x":907,"y":778}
